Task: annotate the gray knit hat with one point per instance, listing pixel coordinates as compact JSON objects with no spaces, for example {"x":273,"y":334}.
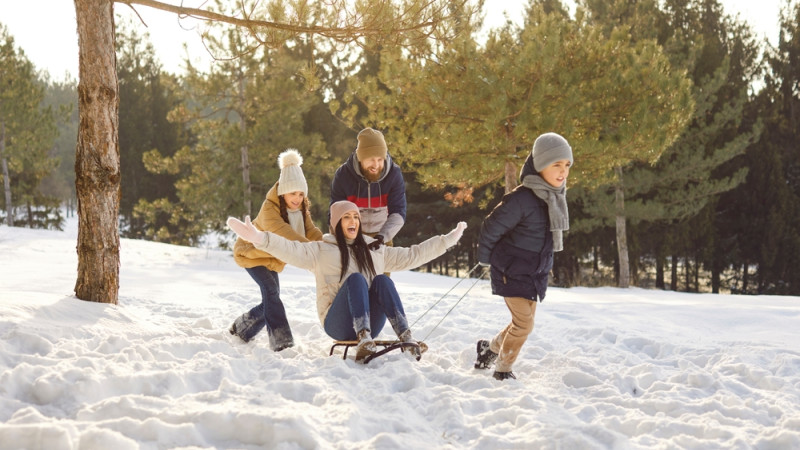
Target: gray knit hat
{"x":549,"y":148}
{"x":338,"y":209}
{"x":371,"y":144}
{"x":292,"y":178}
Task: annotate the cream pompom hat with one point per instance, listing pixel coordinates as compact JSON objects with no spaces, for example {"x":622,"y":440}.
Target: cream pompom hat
{"x":292,"y":178}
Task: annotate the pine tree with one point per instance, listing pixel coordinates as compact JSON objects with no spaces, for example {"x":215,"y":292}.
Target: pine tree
{"x":767,"y":205}
{"x":62,"y":97}
{"x":719,"y":56}
{"x":27,"y":131}
{"x":243,"y":113}
{"x":97,"y":161}
{"x":147,"y":96}
{"x":470,"y":114}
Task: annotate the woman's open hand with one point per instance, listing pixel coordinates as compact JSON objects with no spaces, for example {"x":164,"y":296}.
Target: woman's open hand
{"x":453,"y":236}
{"x":247,"y":231}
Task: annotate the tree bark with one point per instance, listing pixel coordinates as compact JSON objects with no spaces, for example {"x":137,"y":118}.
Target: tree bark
{"x":673,"y":285}
{"x":510,"y":176}
{"x":97,"y":160}
{"x":248,"y":190}
{"x":660,"y":271}
{"x":622,"y":239}
{"x":6,"y":181}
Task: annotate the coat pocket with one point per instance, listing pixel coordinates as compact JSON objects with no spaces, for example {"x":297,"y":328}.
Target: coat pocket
{"x":514,"y":262}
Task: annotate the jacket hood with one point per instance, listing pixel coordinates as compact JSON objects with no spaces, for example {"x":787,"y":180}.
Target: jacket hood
{"x":272,"y":196}
{"x":527,"y":168}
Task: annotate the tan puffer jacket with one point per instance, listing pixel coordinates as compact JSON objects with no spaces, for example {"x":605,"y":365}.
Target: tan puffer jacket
{"x":269,"y":219}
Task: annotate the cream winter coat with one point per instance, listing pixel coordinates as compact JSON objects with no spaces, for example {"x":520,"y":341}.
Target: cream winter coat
{"x":323,"y":259}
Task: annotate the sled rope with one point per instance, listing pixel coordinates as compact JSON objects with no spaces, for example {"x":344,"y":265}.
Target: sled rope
{"x":443,"y":296}
{"x":456,"y":303}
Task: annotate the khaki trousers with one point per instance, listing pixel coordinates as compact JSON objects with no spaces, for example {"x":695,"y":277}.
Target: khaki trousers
{"x":508,"y":342}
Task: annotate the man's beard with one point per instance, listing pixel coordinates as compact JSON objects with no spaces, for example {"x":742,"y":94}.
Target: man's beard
{"x":369,"y":176}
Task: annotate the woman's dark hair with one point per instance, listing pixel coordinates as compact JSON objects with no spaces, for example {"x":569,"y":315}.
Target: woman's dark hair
{"x":360,"y":252}
{"x":285,"y":212}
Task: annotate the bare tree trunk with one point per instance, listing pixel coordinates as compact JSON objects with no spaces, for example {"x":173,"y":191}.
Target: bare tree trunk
{"x":687,"y":273}
{"x":660,"y":271}
{"x":745,"y":278}
{"x":97,"y":162}
{"x":673,"y":285}
{"x":6,"y":181}
{"x":510,"y":176}
{"x":248,"y":190}
{"x":622,"y":239}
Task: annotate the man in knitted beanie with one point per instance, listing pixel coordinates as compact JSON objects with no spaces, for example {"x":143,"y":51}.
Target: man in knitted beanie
{"x":375,"y":184}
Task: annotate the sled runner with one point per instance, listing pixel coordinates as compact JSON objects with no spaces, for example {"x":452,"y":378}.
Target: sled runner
{"x":388,"y":346}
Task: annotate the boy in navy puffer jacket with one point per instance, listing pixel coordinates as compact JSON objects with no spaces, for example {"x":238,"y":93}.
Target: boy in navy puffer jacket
{"x":517,"y":239}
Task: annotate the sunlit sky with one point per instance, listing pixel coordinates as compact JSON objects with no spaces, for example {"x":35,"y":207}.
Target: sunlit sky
{"x":46,"y":29}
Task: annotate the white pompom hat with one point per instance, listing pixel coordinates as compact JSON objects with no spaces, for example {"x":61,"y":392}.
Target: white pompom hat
{"x":292,"y":178}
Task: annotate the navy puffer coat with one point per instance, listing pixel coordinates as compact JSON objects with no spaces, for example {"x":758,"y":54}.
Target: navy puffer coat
{"x":515,"y":239}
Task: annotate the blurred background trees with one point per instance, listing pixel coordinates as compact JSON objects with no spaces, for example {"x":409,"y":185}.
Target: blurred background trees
{"x":685,"y":130}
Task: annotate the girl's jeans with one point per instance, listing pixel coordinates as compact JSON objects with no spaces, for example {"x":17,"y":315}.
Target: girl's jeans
{"x":269,"y":312}
{"x":357,"y":307}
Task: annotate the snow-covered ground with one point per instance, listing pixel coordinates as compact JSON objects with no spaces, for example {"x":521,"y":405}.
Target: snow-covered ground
{"x":604,"y":367}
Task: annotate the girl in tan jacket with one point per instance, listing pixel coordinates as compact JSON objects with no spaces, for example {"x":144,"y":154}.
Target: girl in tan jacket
{"x":354,"y":297}
{"x":284,"y":213}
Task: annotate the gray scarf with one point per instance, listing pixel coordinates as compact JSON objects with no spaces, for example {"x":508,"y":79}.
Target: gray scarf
{"x":556,"y":199}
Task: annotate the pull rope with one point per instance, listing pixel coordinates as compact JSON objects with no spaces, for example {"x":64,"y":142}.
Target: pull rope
{"x":443,"y":296}
{"x":483,"y":274}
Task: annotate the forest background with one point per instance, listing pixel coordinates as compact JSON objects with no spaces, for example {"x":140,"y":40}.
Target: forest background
{"x":684,"y":124}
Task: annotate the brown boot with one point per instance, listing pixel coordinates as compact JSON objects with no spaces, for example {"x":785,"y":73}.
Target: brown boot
{"x":366,"y":346}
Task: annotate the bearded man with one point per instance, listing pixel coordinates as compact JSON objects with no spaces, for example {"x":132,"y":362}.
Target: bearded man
{"x":375,"y":184}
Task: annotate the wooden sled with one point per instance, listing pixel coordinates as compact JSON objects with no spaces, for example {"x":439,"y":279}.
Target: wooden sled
{"x":388,"y":346}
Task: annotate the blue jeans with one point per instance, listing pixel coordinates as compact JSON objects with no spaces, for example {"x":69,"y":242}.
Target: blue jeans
{"x":357,"y":307}
{"x":269,"y":312}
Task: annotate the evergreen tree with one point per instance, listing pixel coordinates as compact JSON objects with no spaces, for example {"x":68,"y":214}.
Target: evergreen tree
{"x":27,"y":131}
{"x":147,"y":95}
{"x":470,"y":114}
{"x":244,"y":112}
{"x":767,"y":205}
{"x":720,"y":57}
{"x":97,"y":161}
{"x":62,"y":96}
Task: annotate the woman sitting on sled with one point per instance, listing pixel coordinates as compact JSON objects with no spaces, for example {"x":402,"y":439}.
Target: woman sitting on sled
{"x":353,"y":302}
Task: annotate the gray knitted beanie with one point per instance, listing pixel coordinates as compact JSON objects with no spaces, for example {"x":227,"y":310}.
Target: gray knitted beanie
{"x":549,"y":148}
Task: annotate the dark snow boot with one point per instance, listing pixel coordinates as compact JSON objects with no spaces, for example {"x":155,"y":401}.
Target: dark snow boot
{"x":232,"y":330}
{"x":486,"y":356}
{"x":242,"y":326}
{"x":503,"y":375}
